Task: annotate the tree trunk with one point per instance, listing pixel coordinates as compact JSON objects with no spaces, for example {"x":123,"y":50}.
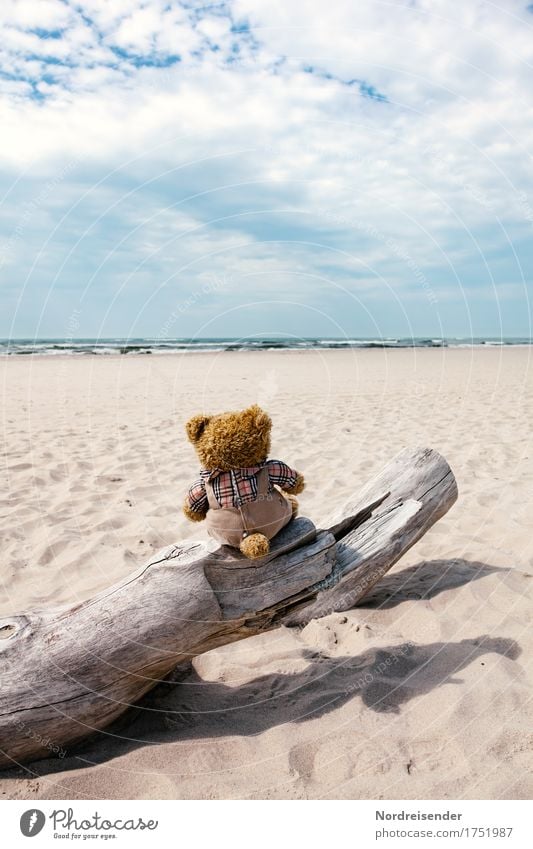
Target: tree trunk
{"x":68,"y":672}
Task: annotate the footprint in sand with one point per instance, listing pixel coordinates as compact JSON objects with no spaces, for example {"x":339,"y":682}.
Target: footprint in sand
{"x":51,"y":552}
{"x":302,"y":760}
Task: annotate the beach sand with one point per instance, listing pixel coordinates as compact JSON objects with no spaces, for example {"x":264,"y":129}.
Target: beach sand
{"x":424,"y":691}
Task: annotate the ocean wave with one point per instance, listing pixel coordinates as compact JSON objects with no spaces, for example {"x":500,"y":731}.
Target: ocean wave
{"x":146,"y":346}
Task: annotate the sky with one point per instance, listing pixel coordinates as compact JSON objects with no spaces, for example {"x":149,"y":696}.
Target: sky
{"x":259,"y":167}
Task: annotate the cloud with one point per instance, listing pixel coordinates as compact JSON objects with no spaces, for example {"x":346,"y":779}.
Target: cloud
{"x":299,"y":152}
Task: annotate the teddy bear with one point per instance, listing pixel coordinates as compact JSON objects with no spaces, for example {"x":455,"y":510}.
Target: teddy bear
{"x":244,"y":497}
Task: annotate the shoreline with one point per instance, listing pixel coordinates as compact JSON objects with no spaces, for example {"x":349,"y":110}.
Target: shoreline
{"x":264,"y":352}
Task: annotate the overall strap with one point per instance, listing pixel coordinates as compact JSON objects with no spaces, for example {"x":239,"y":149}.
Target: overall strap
{"x":263,"y":481}
{"x":247,"y":510}
{"x":211,"y":498}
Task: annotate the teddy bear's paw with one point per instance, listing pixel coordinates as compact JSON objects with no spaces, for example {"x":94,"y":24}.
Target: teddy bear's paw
{"x":298,"y":486}
{"x":255,"y":546}
{"x":193,"y":515}
{"x":294,"y":504}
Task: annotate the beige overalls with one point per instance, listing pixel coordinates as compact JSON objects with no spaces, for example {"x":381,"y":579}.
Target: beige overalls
{"x":267,"y":515}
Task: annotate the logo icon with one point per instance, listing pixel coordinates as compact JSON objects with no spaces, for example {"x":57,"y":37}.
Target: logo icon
{"x":32,"y":822}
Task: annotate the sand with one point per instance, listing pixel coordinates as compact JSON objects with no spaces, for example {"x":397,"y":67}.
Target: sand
{"x":424,"y":691}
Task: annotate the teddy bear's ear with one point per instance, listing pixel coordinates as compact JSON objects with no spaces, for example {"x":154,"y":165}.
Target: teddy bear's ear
{"x":262,"y":420}
{"x":196,"y":426}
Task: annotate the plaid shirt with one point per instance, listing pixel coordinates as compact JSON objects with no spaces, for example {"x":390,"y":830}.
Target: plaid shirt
{"x":238,"y":486}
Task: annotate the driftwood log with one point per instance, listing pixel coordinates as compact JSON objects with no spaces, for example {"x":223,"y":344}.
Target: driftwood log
{"x":68,"y":672}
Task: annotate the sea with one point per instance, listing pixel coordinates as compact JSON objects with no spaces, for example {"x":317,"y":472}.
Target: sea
{"x":148,"y":345}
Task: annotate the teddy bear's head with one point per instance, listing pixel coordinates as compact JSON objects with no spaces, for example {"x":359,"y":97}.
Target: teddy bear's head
{"x":231,"y":440}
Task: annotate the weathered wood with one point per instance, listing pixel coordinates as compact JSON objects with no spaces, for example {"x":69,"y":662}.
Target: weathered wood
{"x":68,"y":672}
{"x":411,"y":493}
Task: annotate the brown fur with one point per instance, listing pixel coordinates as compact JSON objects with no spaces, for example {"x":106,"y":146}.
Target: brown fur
{"x":255,"y":546}
{"x":231,"y":440}
{"x":298,"y":486}
{"x":193,"y":515}
{"x":294,"y":503}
